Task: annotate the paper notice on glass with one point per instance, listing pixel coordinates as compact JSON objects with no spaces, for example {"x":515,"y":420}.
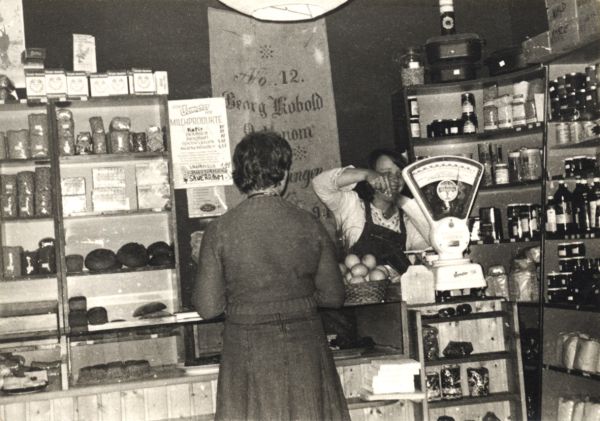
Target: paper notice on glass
{"x":200,"y":143}
{"x":84,"y":53}
{"x":206,"y":202}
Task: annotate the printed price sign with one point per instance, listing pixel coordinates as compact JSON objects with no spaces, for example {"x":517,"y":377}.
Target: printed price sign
{"x":200,"y":143}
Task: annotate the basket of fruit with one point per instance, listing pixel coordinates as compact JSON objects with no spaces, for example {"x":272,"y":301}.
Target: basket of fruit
{"x":365,"y":281}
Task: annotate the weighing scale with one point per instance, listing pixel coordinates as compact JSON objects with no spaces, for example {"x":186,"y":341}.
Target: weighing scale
{"x":445,"y":188}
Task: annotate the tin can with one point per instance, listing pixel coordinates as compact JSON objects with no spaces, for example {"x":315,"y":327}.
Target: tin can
{"x":490,"y":116}
{"x":413,"y":107}
{"x":468,"y":102}
{"x":501,"y":174}
{"x":514,"y":166}
{"x":415,"y":128}
{"x":531,"y":164}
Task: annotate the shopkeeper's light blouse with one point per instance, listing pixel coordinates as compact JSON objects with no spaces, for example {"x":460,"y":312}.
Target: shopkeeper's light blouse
{"x":349,"y":211}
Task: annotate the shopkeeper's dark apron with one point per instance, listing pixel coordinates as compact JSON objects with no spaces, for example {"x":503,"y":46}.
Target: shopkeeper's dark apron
{"x":386,"y":245}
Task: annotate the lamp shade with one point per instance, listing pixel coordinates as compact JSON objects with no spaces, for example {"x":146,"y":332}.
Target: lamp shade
{"x":283,"y":10}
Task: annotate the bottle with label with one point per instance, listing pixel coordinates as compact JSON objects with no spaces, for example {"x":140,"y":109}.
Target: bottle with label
{"x":551,"y":227}
{"x":596,"y":214}
{"x":447,"y":17}
{"x":564,"y":212}
{"x":469,"y":123}
{"x":593,"y":200}
{"x":484,"y":158}
{"x":581,"y":208}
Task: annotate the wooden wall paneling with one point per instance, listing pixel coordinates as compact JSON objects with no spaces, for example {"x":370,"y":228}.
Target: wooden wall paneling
{"x":157,"y":407}
{"x":63,"y":409}
{"x":88,"y":408}
{"x":14,"y":411}
{"x":179,"y":400}
{"x":202,"y":398}
{"x":39,"y":410}
{"x":133,"y":405}
{"x":110,"y":406}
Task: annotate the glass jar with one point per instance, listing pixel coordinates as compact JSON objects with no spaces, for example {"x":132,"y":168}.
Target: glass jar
{"x":412,"y":71}
{"x":490,"y":116}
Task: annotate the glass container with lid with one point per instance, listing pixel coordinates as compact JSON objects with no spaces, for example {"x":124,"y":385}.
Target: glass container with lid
{"x":411,"y":66}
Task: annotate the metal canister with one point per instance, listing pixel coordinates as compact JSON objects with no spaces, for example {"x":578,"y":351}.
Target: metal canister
{"x":531,"y":163}
{"x":490,"y":116}
{"x":514,"y":225}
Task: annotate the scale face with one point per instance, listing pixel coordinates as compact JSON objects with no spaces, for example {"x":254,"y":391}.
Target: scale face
{"x":444,"y":186}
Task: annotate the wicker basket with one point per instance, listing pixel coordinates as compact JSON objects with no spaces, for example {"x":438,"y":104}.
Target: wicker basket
{"x":366,"y":292}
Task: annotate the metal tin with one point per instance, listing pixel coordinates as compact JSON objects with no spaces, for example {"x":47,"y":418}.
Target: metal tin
{"x":413,"y":107}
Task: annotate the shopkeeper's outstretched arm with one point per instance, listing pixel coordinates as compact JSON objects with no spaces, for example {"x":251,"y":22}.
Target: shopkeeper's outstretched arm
{"x":208,"y":294}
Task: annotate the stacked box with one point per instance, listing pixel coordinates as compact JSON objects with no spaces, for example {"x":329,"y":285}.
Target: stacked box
{"x":153,"y":189}
{"x":109,"y":193}
{"x":73,"y":195}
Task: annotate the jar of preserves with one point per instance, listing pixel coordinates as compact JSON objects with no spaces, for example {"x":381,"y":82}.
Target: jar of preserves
{"x":490,"y":116}
{"x":501,"y":173}
{"x":412,"y":71}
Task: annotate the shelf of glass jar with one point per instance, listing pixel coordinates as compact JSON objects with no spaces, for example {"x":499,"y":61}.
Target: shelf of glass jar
{"x":497,"y":135}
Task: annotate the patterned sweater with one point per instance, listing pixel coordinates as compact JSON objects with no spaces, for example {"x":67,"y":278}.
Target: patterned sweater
{"x":266,"y":256}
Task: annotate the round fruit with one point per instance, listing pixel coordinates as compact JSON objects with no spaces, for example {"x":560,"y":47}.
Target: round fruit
{"x":343,"y":268}
{"x":369,"y":261}
{"x":357,"y":280}
{"x":383,"y":269}
{"x":377,"y":275}
{"x":359,"y":270}
{"x":351,"y":260}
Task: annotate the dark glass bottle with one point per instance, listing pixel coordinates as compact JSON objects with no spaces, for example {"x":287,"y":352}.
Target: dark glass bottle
{"x":581,"y":208}
{"x":551,"y":226}
{"x":564,"y":212}
{"x":447,"y":23}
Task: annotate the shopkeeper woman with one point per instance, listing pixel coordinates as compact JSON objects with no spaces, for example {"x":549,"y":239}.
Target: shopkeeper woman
{"x":370,"y":210}
{"x":268,"y":265}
